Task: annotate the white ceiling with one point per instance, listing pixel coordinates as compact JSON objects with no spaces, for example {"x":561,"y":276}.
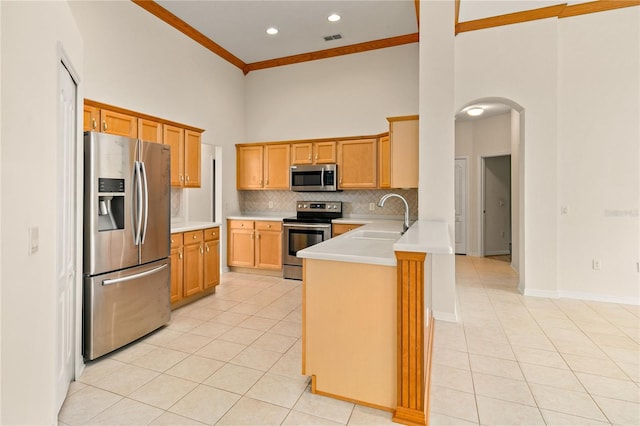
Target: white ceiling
{"x":239,"y":25}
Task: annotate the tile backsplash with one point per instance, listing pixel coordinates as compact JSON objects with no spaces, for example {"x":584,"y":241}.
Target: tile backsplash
{"x":353,"y":202}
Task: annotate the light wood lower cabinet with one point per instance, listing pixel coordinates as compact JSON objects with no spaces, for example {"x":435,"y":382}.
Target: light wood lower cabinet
{"x":255,"y":244}
{"x":341,"y":228}
{"x":195,"y":264}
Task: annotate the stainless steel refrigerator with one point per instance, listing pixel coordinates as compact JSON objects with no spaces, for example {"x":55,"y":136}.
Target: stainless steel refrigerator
{"x":127,"y":271}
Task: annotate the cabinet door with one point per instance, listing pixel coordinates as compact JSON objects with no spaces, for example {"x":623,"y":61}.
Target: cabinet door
{"x":176,"y":267}
{"x":249,"y":167}
{"x":120,"y":124}
{"x":176,"y":274}
{"x":384,"y":162}
{"x":301,"y":153}
{"x":192,"y":159}
{"x":276,"y":166}
{"x":211,"y":263}
{"x":150,"y":131}
{"x":268,"y":245}
{"x":404,"y":152}
{"x":91,"y":119}
{"x":174,"y":137}
{"x":193,"y":269}
{"x":357,"y":163}
{"x":324,"y":152}
{"x":241,"y":248}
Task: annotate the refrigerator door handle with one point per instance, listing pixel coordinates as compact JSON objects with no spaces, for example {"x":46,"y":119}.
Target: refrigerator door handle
{"x":143,"y":230}
{"x":138,"y":210}
{"x":135,"y":276}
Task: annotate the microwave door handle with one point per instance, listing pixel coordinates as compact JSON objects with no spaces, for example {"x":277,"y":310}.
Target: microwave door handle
{"x":322,"y":178}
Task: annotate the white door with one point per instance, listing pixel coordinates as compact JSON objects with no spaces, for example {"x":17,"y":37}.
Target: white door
{"x":461,"y":205}
{"x":65,"y":234}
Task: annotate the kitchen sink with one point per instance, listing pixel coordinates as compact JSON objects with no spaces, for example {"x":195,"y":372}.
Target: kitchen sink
{"x":376,"y":235}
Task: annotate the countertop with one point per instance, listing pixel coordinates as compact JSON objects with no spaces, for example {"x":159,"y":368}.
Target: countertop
{"x":277,"y":216}
{"x":423,"y":236}
{"x":191,"y":226}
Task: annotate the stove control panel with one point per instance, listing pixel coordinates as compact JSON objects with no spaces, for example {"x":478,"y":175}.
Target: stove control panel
{"x":319,"y":206}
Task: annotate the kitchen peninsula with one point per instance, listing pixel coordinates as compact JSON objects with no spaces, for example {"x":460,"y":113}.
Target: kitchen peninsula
{"x":367,"y":322}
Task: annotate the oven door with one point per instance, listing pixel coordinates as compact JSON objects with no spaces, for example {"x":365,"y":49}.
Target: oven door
{"x":298,"y":236}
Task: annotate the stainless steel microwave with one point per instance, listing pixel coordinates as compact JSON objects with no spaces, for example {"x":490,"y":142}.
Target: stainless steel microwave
{"x":314,"y":178}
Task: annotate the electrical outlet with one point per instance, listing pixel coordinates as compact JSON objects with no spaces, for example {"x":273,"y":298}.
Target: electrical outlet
{"x":596,"y":265}
{"x":270,"y":204}
{"x":564,"y":210}
{"x":372,"y":206}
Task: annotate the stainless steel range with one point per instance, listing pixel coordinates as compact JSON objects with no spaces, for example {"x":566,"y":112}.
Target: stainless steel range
{"x":311,"y":225}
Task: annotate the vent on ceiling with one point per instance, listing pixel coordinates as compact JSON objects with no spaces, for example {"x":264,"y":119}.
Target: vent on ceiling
{"x":332,"y":37}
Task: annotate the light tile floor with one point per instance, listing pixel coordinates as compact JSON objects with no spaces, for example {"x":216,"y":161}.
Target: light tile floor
{"x":234,"y":358}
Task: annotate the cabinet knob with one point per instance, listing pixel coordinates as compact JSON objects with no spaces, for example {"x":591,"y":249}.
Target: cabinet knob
{"x":181,"y":178}
{"x":267,"y":181}
{"x":172,"y":241}
{"x":201,"y":249}
{"x":104,"y":126}
{"x":180,"y":255}
{"x":195,"y":236}
{"x":316,"y":156}
{"x":309,"y":156}
{"x":187,"y":178}
{"x":207,"y":248}
{"x":93,"y":123}
{"x":268,"y":226}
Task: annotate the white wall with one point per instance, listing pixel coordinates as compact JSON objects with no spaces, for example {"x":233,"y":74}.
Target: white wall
{"x":577,"y":80}
{"x":30,"y":32}
{"x":136,"y":61}
{"x":342,"y":96}
{"x":599,"y":155}
{"x":485,"y":137}
{"x":437,"y":142}
{"x":519,"y":62}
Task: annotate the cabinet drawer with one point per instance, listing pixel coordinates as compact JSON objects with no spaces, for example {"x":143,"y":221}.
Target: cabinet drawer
{"x":341,"y":228}
{"x":193,"y":237}
{"x":241,"y":224}
{"x":269,"y":226}
{"x":211,"y":234}
{"x":176,"y":240}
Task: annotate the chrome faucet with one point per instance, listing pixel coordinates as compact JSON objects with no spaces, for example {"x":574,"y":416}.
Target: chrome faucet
{"x":405,"y":225}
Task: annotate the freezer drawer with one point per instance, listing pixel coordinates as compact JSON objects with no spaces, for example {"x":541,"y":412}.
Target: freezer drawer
{"x":123,"y":306}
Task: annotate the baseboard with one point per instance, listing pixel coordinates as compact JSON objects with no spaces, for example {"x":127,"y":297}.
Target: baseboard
{"x":445,"y":316}
{"x":497,"y":253}
{"x":582,"y":296}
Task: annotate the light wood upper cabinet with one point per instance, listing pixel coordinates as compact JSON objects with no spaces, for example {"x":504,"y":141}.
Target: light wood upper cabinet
{"x":263,"y":166}
{"x":398,"y":163}
{"x":313,"y":153}
{"x":174,"y":137}
{"x":150,"y":131}
{"x":117,"y":123}
{"x":192,"y":159}
{"x":276,"y":166}
{"x":357,"y":163}
{"x":91,"y":119}
{"x":249,"y":167}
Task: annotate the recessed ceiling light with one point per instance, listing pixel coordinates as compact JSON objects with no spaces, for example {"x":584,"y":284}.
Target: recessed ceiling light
{"x":272,"y":31}
{"x":475,"y":111}
{"x":334,"y":17}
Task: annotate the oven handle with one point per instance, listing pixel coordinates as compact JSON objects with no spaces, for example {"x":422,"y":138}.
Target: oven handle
{"x":307,"y":225}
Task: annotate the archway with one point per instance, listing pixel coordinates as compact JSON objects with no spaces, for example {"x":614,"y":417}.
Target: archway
{"x":496,"y":130}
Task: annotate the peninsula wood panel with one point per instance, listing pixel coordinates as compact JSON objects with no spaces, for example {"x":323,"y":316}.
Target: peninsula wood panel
{"x":350,"y":331}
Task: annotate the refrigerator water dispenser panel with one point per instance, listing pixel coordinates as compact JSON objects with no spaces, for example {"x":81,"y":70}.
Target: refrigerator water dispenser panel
{"x":110,"y":207}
